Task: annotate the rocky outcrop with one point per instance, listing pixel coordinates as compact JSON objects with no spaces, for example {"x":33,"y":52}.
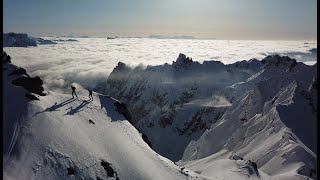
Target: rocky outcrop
{"x":176,"y":98}
{"x":42,"y":41}
{"x":276,"y":60}
{"x":17,"y":40}
{"x":6,"y":58}
{"x":32,"y":84}
{"x":122,"y":109}
{"x":183,"y":62}
{"x":275,"y":105}
{"x":23,"y":40}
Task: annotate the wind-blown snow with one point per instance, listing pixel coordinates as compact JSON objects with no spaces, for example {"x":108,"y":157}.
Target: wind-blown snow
{"x":91,"y":59}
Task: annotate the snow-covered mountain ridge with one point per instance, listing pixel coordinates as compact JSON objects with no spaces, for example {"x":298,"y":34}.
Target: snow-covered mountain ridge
{"x":23,"y":40}
{"x":262,"y":110}
{"x":50,"y":135}
{"x":173,"y":104}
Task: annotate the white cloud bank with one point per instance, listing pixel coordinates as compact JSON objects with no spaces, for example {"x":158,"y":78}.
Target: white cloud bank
{"x":91,"y":59}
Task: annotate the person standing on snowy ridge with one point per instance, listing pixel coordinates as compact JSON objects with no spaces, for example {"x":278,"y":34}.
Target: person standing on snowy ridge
{"x":73,"y":91}
{"x":90,"y":94}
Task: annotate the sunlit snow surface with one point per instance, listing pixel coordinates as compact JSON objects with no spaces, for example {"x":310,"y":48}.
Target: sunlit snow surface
{"x":90,"y":59}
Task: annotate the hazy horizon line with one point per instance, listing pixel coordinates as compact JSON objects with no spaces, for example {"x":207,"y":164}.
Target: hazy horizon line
{"x":177,"y":37}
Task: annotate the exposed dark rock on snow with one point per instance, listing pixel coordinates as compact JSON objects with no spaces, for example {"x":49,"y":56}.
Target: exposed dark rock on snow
{"x":236,"y":157}
{"x":110,"y":171}
{"x":145,"y":138}
{"x":31,"y":96}
{"x":70,"y":171}
{"x":98,"y":178}
{"x":19,"y":71}
{"x":6,"y":58}
{"x":122,"y":109}
{"x":33,"y":85}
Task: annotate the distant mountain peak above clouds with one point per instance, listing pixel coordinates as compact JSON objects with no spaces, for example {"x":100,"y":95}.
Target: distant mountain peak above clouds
{"x":170,"y":37}
{"x":278,"y":60}
{"x":23,"y":40}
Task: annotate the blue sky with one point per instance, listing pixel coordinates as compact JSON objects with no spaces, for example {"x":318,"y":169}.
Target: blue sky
{"x":224,"y":19}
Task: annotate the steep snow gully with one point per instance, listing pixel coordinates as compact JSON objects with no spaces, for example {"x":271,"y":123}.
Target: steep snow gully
{"x":237,"y":121}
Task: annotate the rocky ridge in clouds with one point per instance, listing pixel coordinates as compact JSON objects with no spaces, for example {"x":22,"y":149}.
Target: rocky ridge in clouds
{"x":23,"y":40}
{"x":172,"y":104}
{"x":176,"y":103}
{"x":59,"y":137}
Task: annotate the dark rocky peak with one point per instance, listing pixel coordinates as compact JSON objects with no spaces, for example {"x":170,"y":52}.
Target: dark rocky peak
{"x":183,"y":62}
{"x":6,"y":58}
{"x":17,"y":34}
{"x":276,"y":60}
{"x":213,"y":63}
{"x":241,"y":64}
{"x":254,"y":62}
{"x":313,"y":51}
{"x":32,"y":84}
{"x":17,"y":40}
{"x":121,"y":67}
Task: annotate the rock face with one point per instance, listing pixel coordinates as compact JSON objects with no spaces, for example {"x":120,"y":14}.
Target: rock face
{"x":175,"y":103}
{"x":277,"y":121}
{"x":17,"y":40}
{"x":204,"y":109}
{"x":32,"y":84}
{"x":23,"y":40}
{"x":5,"y":58}
{"x":42,"y":41}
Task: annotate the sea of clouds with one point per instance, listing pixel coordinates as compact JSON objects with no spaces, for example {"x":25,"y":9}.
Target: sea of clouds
{"x":89,"y":60}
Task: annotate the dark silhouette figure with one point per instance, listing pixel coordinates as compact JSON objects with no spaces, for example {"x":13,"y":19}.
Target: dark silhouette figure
{"x":73,"y":92}
{"x":91,"y":122}
{"x":77,"y":109}
{"x":90,"y":95}
{"x":56,"y":106}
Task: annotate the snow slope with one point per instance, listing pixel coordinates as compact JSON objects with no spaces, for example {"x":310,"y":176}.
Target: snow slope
{"x":173,"y":104}
{"x":55,"y":136}
{"x":45,"y":137}
{"x":272,"y":122}
{"x":265,"y":111}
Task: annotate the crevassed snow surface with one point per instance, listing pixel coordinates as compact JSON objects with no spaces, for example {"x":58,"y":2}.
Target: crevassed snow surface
{"x":89,"y":59}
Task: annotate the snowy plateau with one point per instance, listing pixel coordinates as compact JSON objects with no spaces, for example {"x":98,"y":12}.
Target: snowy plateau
{"x":251,"y":119}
